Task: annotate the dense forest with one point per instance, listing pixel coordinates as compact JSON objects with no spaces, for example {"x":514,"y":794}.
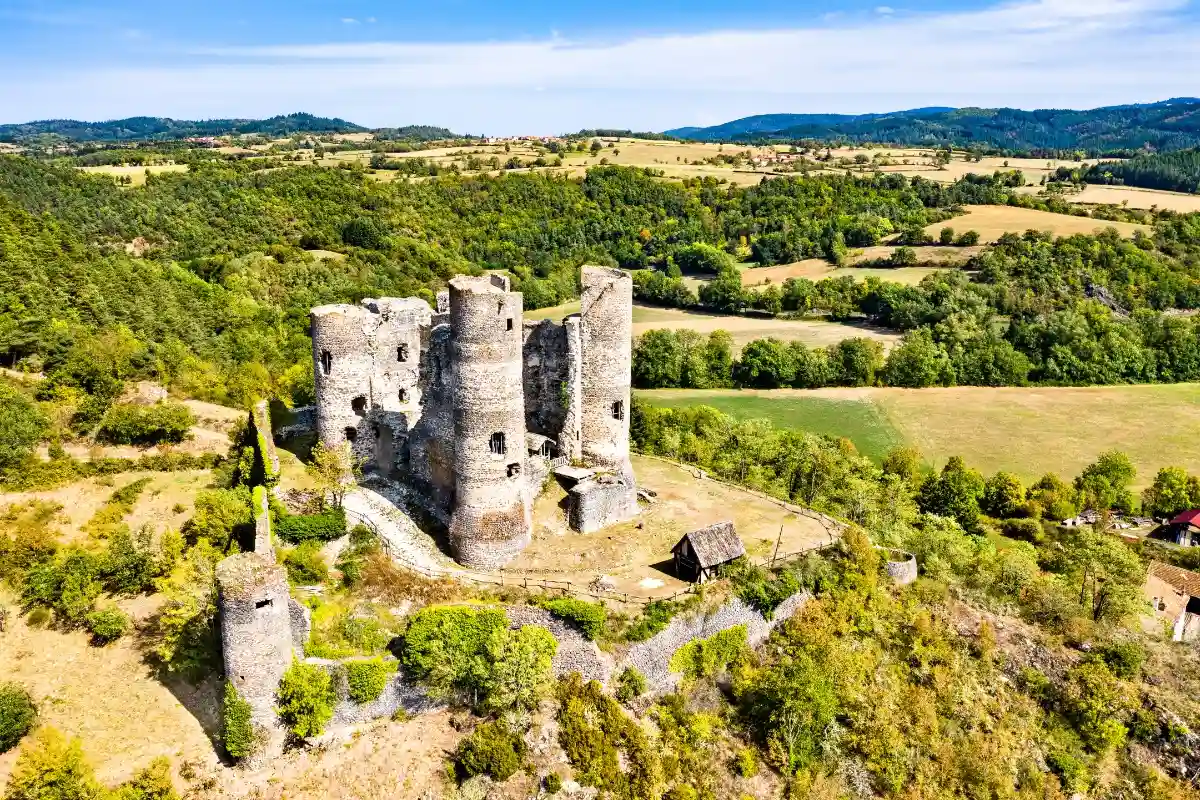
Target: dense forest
{"x":1176,"y":172}
{"x":161,"y":128}
{"x":215,"y":303}
{"x":1169,"y":125}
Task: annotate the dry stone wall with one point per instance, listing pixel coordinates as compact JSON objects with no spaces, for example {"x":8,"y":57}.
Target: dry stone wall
{"x":653,"y":657}
{"x":575,"y":653}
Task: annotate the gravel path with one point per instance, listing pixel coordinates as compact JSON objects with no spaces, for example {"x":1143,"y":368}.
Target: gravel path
{"x":382,"y":507}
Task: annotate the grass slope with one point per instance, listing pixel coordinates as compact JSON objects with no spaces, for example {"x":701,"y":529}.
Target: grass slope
{"x":1028,"y":431}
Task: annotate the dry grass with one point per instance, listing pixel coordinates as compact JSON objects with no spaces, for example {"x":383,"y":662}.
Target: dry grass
{"x":1026,"y":430}
{"x":815,"y":268}
{"x":107,"y":696}
{"x":635,"y":554}
{"x":812,"y":332}
{"x":1138,"y":198}
{"x":993,"y":221}
{"x":138,"y":174}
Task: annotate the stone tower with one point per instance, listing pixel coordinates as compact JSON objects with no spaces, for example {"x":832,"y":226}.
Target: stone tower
{"x":606,"y":335}
{"x":256,"y":637}
{"x":491,"y":520}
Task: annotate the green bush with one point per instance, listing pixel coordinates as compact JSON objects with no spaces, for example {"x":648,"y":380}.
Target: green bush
{"x":445,"y":645}
{"x":128,"y":423}
{"x":366,"y":680}
{"x":589,"y":617}
{"x":330,"y":524}
{"x":237,"y":732}
{"x":306,"y":565}
{"x":493,"y":750}
{"x":656,"y":615}
{"x":1096,"y":704}
{"x":151,"y":783}
{"x":1026,"y":530}
{"x":1123,"y":658}
{"x":107,"y":624}
{"x":306,"y":699}
{"x":52,"y":767}
{"x":630,"y":684}
{"x":758,"y":589}
{"x":681,"y":792}
{"x":17,"y":715}
{"x":552,"y":783}
{"x":707,"y":657}
{"x":1070,"y":770}
{"x":746,"y":763}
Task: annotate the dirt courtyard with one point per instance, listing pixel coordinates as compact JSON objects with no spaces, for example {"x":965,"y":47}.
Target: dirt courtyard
{"x":637,"y":559}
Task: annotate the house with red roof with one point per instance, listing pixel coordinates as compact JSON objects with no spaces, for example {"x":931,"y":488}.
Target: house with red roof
{"x":1174,"y":595}
{"x":1185,"y":528}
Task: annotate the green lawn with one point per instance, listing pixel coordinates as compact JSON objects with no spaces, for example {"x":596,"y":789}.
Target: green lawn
{"x":860,"y":421}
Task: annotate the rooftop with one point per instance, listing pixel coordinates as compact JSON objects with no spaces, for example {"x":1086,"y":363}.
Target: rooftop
{"x":716,"y":544}
{"x":1182,"y":579}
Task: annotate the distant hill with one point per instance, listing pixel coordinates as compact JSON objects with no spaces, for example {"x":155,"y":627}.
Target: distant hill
{"x":417,"y":133}
{"x":151,"y":128}
{"x":1164,"y":126}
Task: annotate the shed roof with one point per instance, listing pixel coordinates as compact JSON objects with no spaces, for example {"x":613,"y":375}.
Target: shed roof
{"x":1182,"y":579}
{"x":715,"y":544}
{"x":1191,"y":516}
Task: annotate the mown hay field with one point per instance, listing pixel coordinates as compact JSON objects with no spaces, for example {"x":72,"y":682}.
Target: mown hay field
{"x":136,"y":174}
{"x":993,"y":221}
{"x":1025,"y":430}
{"x":1138,"y":198}
{"x":813,"y":332}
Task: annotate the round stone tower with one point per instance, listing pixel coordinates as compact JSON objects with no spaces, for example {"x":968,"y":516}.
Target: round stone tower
{"x":491,"y":520}
{"x":256,"y":638}
{"x":342,"y":368}
{"x":605,"y":332}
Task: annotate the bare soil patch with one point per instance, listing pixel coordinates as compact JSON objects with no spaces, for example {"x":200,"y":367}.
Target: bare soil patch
{"x":993,"y":221}
{"x":1138,"y":198}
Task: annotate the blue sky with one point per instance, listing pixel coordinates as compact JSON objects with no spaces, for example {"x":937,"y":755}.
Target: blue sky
{"x":500,"y":67}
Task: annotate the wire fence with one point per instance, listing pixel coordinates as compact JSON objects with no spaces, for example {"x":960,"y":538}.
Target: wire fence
{"x":523,"y":580}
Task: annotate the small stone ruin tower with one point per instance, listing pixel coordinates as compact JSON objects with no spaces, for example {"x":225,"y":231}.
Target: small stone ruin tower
{"x":491,"y":521}
{"x":256,"y":639}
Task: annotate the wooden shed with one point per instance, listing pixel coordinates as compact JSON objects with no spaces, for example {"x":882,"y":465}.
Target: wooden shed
{"x":700,"y":553}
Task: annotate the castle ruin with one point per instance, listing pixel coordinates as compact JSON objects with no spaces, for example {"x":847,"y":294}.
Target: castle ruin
{"x":469,"y":408}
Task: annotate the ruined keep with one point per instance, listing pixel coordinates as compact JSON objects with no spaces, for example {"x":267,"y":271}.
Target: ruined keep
{"x":469,"y":408}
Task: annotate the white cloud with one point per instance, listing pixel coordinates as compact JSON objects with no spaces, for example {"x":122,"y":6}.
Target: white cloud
{"x":884,"y":10}
{"x":1030,"y":53}
{"x":349,"y":21}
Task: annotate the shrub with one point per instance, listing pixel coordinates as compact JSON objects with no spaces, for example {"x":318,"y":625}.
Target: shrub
{"x":107,"y":624}
{"x":237,"y":732}
{"x":656,"y":615}
{"x":706,"y":657}
{"x":630,"y":684}
{"x":1096,"y":704}
{"x":330,"y":524}
{"x":52,"y":767}
{"x":445,"y":644}
{"x":1123,"y":658}
{"x":17,"y":715}
{"x":746,"y":763}
{"x":1069,"y":769}
{"x":589,"y":617}
{"x":146,"y":425}
{"x":552,"y":783}
{"x":682,"y":792}
{"x":306,"y":699}
{"x":366,"y":680}
{"x":306,"y":565}
{"x":151,"y":783}
{"x":758,"y":589}
{"x":493,"y":750}
{"x":1026,"y":530}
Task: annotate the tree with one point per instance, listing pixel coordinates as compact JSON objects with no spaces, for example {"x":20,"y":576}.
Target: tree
{"x":954,"y":492}
{"x":906,"y":464}
{"x":1108,"y":574}
{"x":218,"y":513}
{"x":856,"y":361}
{"x":334,"y":470}
{"x":520,"y":668}
{"x":968,"y":239}
{"x":703,"y":258}
{"x":918,"y":362}
{"x":718,"y":359}
{"x":903,"y":256}
{"x":725,"y":292}
{"x":306,"y":699}
{"x":765,"y":364}
{"x":1003,"y":496}
{"x":1173,"y":491}
{"x":946,"y":236}
{"x":22,"y":426}
{"x":1104,"y":483}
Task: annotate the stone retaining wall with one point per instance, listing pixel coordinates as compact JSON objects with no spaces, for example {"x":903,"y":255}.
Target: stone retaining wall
{"x":575,"y":653}
{"x":653,"y":657}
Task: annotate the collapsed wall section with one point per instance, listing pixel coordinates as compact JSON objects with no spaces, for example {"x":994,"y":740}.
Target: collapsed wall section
{"x":491,"y":521}
{"x":546,"y":378}
{"x":431,"y":440}
{"x":343,"y":362}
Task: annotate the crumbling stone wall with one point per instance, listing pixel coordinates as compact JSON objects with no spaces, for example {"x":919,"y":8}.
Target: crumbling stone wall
{"x":575,"y":653}
{"x":601,"y":501}
{"x":653,"y":657}
{"x":606,"y":331}
{"x":431,"y":440}
{"x":901,"y":567}
{"x":546,"y":381}
{"x":256,"y":638}
{"x":491,"y":521}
